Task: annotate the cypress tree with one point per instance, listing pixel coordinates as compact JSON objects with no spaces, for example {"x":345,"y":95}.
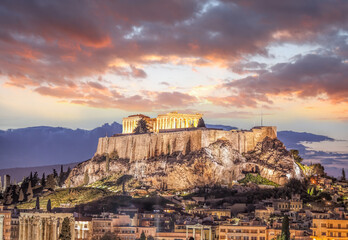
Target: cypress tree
{"x":55,"y":173}
{"x":43,"y":180}
{"x":49,"y":207}
{"x":285,"y":228}
{"x":201,"y":123}
{"x":343,"y":174}
{"x":141,"y":127}
{"x":142,"y":236}
{"x":37,"y":206}
{"x":65,"y":233}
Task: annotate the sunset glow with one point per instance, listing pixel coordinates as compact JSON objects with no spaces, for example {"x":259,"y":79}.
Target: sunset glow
{"x":100,"y":61}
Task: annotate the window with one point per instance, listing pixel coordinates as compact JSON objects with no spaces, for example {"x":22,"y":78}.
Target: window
{"x":323,"y":233}
{"x":223,"y":230}
{"x":323,"y":225}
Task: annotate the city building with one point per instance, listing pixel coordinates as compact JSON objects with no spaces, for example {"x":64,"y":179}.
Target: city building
{"x":243,"y":231}
{"x":294,"y":204}
{"x":9,"y":224}
{"x":100,"y":226}
{"x":216,"y":213}
{"x":330,"y":229}
{"x":132,"y":233}
{"x":83,"y":228}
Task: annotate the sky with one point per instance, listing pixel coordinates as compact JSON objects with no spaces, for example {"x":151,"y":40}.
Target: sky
{"x":81,"y":64}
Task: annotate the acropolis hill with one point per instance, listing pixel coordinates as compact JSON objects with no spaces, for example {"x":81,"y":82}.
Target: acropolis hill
{"x":175,"y":146}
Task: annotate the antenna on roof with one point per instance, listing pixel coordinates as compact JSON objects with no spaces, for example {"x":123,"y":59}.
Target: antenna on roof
{"x":261,"y":117}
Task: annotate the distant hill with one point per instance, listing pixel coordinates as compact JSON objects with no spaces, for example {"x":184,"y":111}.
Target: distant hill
{"x":18,"y":173}
{"x":224,"y":127}
{"x":41,"y":146}
{"x":292,"y":140}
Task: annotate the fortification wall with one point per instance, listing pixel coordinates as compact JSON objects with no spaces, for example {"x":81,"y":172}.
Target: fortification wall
{"x":142,"y":146}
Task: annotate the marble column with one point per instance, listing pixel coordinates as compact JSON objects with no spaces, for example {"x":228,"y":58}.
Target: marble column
{"x":29,"y":226}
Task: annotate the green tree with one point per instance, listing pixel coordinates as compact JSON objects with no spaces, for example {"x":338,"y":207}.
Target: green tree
{"x":108,"y":236}
{"x":35,"y":179}
{"x":318,"y":169}
{"x":295,"y":154}
{"x":37,"y":205}
{"x":51,"y":182}
{"x":123,"y":180}
{"x":49,"y":207}
{"x":142,"y":236}
{"x":43,"y":180}
{"x":150,"y":237}
{"x":55,"y":174}
{"x":285,"y":235}
{"x":65,"y":233}
{"x":141,"y":127}
{"x":343,"y":174}
{"x":201,"y":123}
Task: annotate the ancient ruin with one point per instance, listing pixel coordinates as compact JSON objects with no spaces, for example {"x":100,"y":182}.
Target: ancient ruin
{"x":172,"y":120}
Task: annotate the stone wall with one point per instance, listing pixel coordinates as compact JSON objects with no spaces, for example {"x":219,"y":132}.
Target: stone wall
{"x":144,"y":146}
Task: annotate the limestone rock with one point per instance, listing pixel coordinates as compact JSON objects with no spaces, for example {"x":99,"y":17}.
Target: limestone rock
{"x":217,"y":164}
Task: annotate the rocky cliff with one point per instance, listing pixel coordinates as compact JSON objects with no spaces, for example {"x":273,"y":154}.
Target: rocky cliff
{"x":137,"y":147}
{"x":221,"y":162}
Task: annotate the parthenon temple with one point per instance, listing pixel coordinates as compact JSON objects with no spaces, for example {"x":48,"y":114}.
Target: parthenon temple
{"x":171,"y":120}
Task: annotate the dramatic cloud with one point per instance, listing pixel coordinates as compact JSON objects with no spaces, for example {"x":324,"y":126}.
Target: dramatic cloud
{"x":96,"y":95}
{"x":308,"y":76}
{"x":53,"y":46}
